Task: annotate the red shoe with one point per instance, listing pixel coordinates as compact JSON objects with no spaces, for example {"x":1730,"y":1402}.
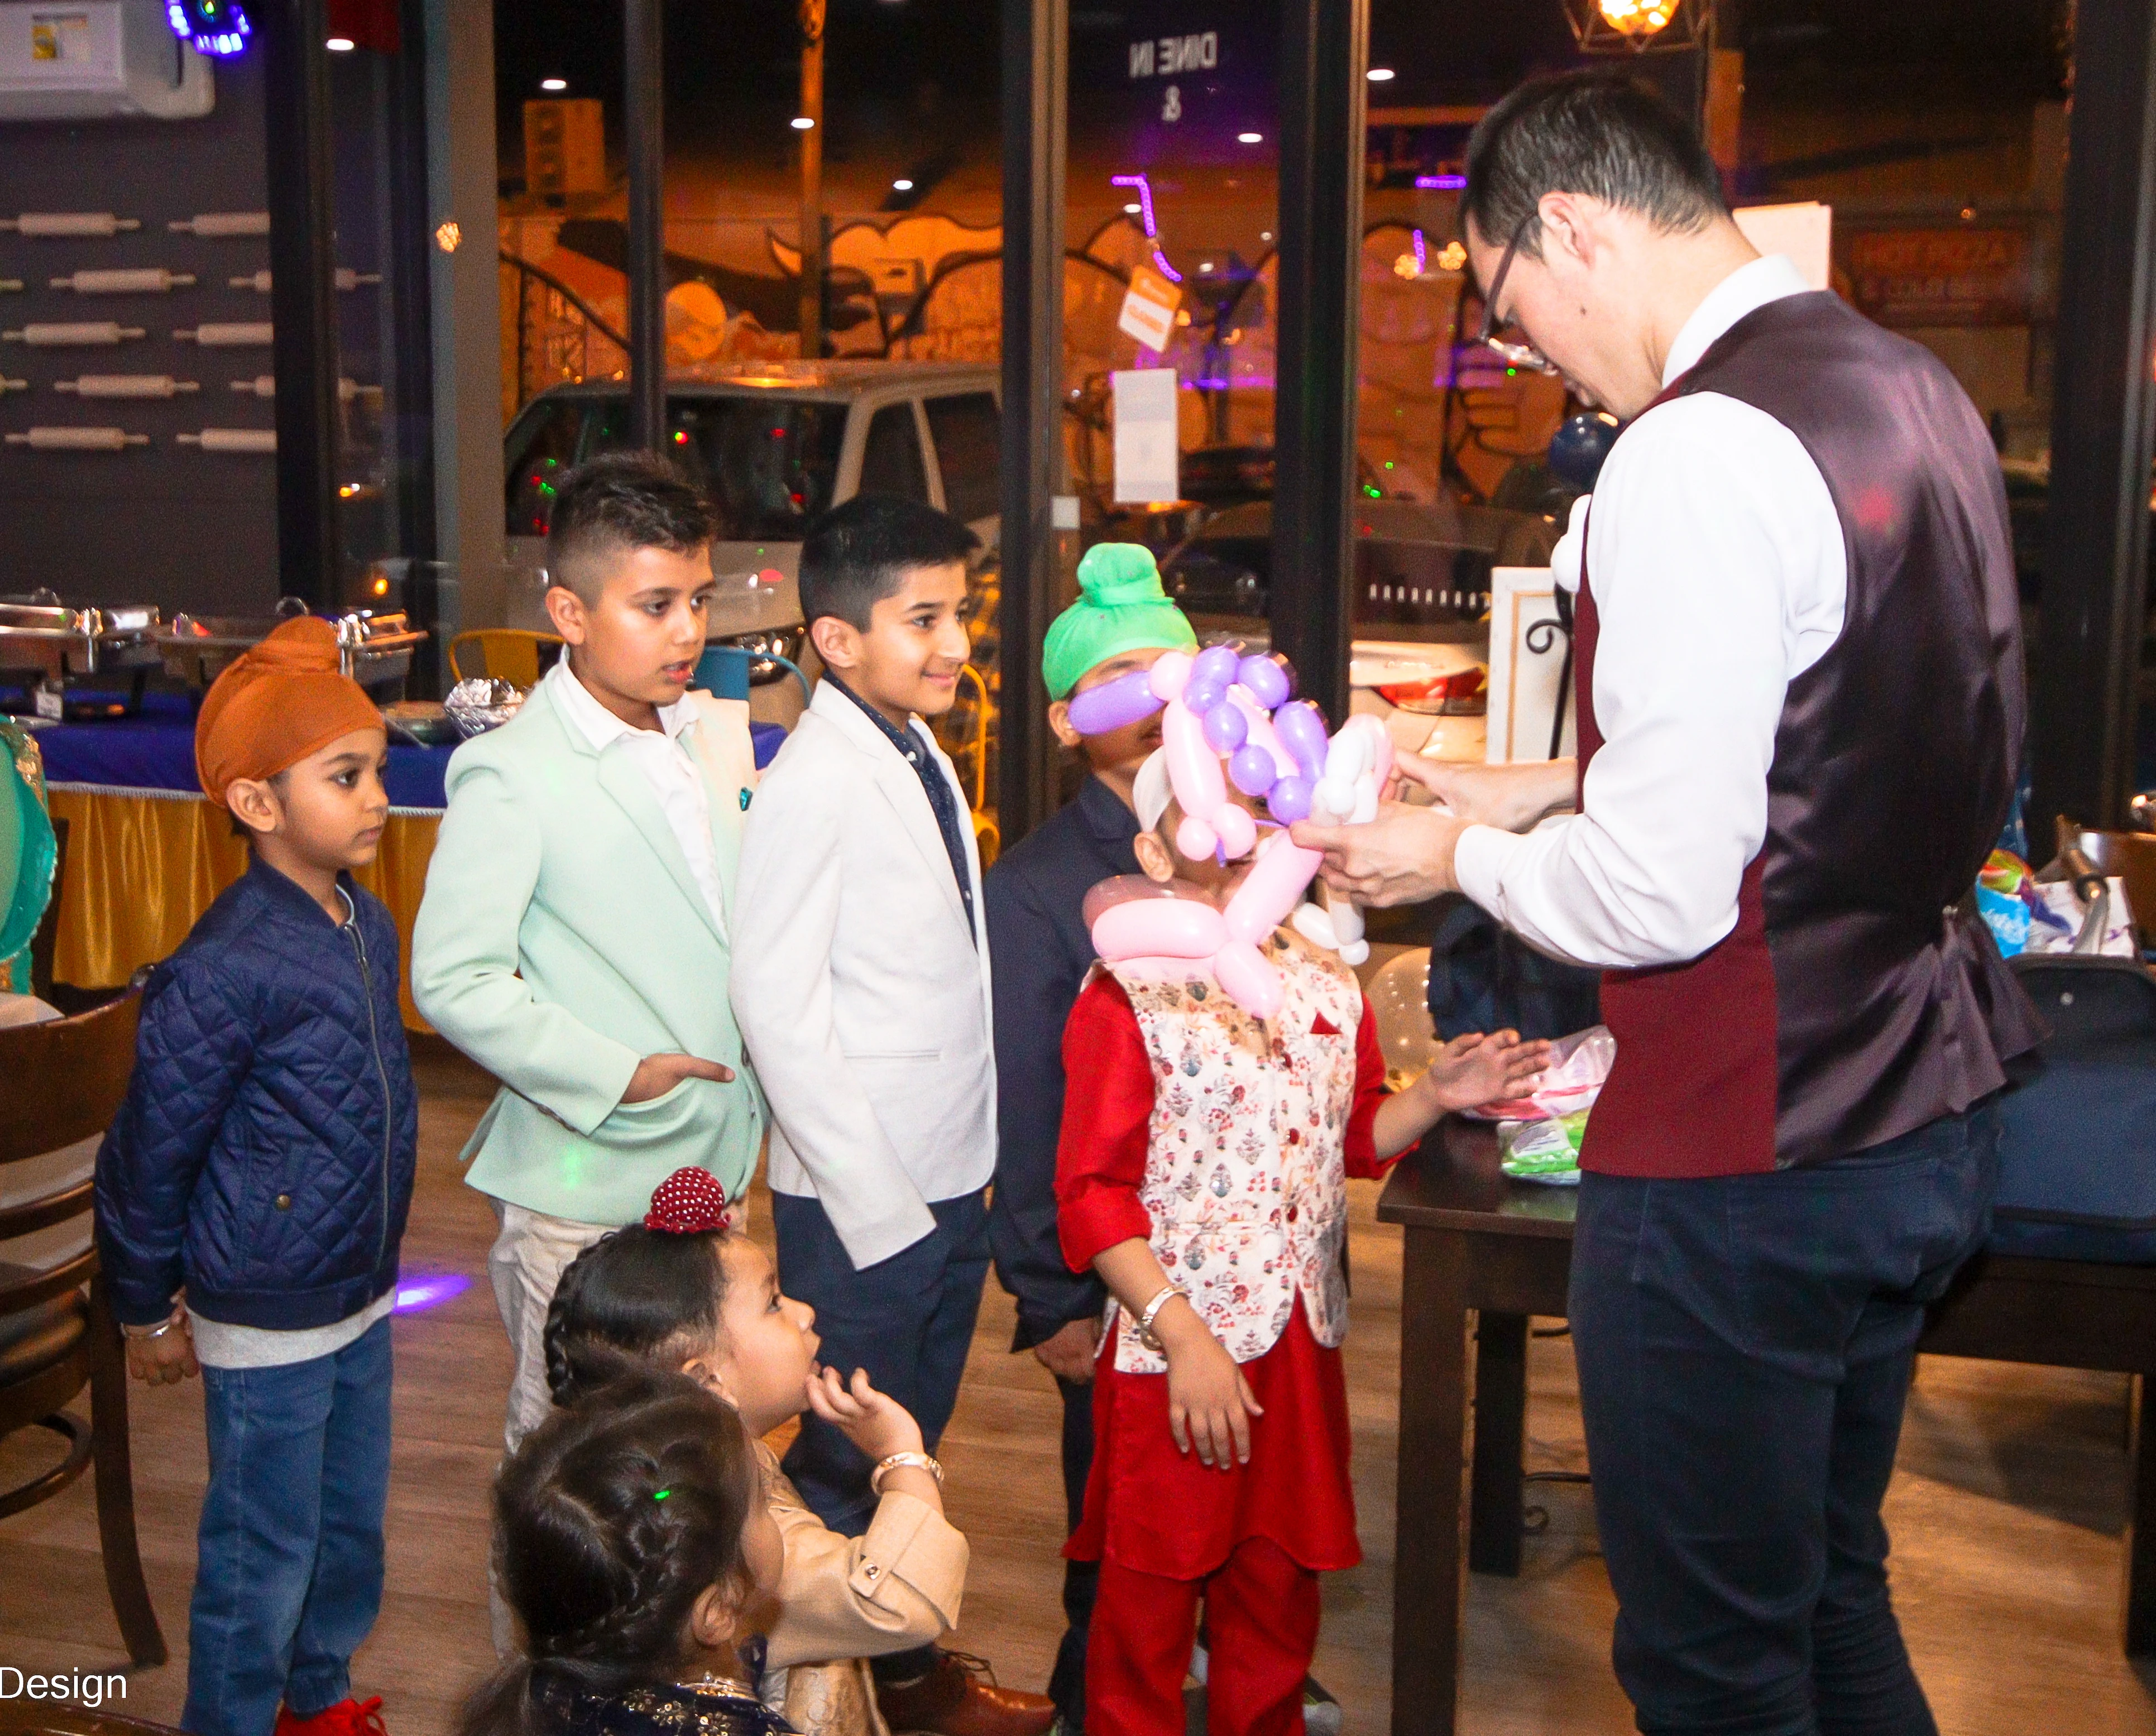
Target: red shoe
{"x":959,"y":1696}
{"x":348,"y":1718}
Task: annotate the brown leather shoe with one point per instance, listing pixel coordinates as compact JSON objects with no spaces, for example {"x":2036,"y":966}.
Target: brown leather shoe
{"x":960,"y":1698}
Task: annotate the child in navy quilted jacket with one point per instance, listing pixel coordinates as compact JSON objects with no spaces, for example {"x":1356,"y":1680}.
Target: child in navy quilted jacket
{"x":252,"y":1194}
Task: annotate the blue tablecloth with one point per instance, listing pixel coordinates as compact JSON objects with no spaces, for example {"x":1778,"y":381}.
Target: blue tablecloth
{"x":156,"y":750}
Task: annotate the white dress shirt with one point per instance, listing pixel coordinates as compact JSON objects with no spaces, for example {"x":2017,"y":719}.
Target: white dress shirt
{"x":1719,"y":573}
{"x":659,"y":755}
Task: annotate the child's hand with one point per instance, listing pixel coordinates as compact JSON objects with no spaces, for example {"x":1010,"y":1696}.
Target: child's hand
{"x":166,"y":1359}
{"x":875,"y":1422}
{"x":1474,"y":1069}
{"x":1209,"y":1403}
{"x":656,"y":1075}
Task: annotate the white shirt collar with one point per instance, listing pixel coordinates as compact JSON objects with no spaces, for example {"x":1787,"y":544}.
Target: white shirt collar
{"x":1748,"y":287}
{"x":595,"y":723}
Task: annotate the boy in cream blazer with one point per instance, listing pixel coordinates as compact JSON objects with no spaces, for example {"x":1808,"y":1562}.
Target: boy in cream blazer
{"x":860,"y":982}
{"x":575,"y":936}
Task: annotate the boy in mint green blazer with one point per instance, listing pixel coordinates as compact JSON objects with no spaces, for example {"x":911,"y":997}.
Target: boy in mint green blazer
{"x":573,"y":940}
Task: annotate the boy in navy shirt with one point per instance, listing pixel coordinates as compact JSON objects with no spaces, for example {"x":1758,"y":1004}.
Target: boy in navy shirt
{"x":252,"y":1194}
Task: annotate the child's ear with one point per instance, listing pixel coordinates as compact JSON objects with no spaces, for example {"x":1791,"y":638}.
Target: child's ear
{"x":565,"y":608}
{"x":837,"y":642}
{"x":715,"y":1620}
{"x":710,"y":1376}
{"x":1153,"y":857}
{"x":254,"y":804}
{"x":1059,"y":721}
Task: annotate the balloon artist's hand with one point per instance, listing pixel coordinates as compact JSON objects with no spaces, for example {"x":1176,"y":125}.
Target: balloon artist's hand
{"x":1209,"y":1403}
{"x":1403,"y":856}
{"x":1511,"y":797}
{"x":656,"y":1075}
{"x":1068,"y":1353}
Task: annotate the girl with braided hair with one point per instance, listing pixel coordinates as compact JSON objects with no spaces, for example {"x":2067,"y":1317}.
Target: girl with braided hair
{"x":635,"y":1546}
{"x":682,"y":1292}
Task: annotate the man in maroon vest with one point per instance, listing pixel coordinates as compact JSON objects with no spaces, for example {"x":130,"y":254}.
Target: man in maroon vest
{"x":1801,"y":704}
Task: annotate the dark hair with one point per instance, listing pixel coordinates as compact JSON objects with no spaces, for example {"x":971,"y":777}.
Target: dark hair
{"x":856,"y":554}
{"x":1598,"y":133}
{"x":626,"y":1300}
{"x":618,"y":503}
{"x":610,"y":1521}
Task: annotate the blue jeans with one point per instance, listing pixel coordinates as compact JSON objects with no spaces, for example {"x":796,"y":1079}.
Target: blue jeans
{"x":287,"y":1573}
{"x":1745,"y":1344}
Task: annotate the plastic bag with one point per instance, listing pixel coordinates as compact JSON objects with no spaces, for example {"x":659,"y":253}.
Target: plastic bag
{"x":1577,"y":1066}
{"x":476,"y":704}
{"x":1546,"y":1151}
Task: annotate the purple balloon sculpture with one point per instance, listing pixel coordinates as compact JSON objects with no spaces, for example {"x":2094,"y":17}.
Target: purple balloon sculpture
{"x":1264,"y":679}
{"x":1114,"y":704}
{"x":1252,"y":771}
{"x":1289,"y":800}
{"x":1226,"y":727}
{"x":1301,"y":731}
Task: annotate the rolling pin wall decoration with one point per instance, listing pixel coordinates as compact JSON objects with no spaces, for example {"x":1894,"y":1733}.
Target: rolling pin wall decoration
{"x":80,"y":225}
{"x":150,"y":280}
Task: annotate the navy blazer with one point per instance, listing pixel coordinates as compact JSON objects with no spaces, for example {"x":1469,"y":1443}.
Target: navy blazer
{"x":264,"y":1153}
{"x":1040,"y":951}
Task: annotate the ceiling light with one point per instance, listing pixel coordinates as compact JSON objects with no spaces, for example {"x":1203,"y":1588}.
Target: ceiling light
{"x":340,"y":44}
{"x":553,"y":83}
{"x":1378,"y":74}
{"x":1249,"y":138}
{"x":802,"y":123}
{"x":1132,"y":210}
{"x":901,"y":187}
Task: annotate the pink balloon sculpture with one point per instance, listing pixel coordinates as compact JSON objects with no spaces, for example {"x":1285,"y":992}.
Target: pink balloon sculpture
{"x":1218,"y":705}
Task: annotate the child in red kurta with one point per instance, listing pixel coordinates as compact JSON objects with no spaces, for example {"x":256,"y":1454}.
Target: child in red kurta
{"x":1202,"y":1172}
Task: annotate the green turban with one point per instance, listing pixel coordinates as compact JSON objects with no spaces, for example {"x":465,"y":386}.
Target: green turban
{"x":1120,"y":607}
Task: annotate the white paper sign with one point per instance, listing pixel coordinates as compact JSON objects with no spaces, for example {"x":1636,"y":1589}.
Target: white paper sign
{"x":1527,"y":661}
{"x":1805,"y":232}
{"x":1148,"y":309}
{"x":1145,"y":434}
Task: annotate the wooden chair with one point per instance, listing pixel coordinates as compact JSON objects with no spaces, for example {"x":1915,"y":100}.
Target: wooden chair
{"x":503,"y":654}
{"x":61,"y":1083}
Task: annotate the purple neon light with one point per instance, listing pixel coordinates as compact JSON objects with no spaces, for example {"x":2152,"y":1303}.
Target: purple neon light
{"x":1422,"y":255}
{"x":1167,"y":270}
{"x":1440,"y":183}
{"x":414,"y":1294}
{"x":1145,"y":199}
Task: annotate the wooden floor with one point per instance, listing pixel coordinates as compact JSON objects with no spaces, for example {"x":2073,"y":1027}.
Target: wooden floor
{"x":2006,"y":1515}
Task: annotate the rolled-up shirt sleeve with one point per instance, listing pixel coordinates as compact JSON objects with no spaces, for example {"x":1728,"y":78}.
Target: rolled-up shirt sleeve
{"x":1715,"y":560}
{"x":1100,"y":1159}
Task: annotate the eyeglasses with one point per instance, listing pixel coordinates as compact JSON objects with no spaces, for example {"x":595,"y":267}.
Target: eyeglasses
{"x":1519,"y":354}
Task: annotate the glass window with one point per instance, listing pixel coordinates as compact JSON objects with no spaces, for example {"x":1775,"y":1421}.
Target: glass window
{"x":968,"y":435}
{"x":890,"y":463}
{"x":541,"y":444}
{"x":769,"y":464}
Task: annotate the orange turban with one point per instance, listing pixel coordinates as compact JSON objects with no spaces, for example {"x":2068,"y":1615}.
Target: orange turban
{"x":279,"y":702}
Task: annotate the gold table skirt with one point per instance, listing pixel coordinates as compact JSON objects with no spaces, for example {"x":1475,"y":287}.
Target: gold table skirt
{"x":143,"y":865}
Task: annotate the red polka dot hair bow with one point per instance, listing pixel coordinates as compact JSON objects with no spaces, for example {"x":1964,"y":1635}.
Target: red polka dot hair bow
{"x":688,"y":1203}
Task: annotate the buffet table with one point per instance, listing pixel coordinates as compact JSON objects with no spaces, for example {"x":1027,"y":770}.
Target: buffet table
{"x":1485,"y":1252}
{"x":147,"y":853}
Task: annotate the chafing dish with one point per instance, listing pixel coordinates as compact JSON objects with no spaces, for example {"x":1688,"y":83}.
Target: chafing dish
{"x":374,"y":650}
{"x":64,"y":644}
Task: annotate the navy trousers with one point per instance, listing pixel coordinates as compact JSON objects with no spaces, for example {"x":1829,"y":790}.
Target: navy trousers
{"x":1745,"y":1344}
{"x":908,"y":1320}
{"x":1081,"y":1579}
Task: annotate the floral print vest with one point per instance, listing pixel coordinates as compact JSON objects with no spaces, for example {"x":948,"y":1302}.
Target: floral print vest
{"x":1245,"y":1161}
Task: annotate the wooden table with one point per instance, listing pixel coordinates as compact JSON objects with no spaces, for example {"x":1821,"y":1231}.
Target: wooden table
{"x":1483,"y":1253}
